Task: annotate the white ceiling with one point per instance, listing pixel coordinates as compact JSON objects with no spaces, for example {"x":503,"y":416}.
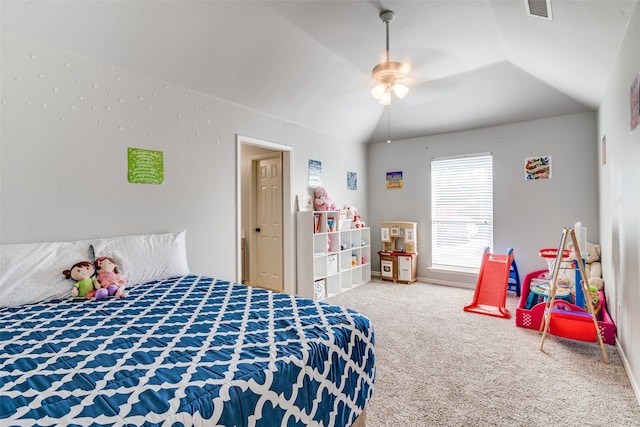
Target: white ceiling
{"x":474,"y":63}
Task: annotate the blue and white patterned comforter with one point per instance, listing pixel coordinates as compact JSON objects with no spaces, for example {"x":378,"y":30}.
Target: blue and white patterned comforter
{"x":185,"y":351}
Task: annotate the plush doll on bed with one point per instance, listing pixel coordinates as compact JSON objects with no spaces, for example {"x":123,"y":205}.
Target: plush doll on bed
{"x":82,"y":272}
{"x":109,"y":277}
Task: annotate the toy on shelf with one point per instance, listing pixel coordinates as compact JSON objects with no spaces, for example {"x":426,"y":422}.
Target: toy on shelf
{"x":322,"y":201}
{"x":357,"y":220}
{"x":491,"y":288}
{"x":351,"y":215}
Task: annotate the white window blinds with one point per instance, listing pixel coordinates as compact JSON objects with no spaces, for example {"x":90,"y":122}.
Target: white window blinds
{"x":461,"y":211}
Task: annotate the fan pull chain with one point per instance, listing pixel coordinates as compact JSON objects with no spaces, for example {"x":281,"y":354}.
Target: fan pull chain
{"x":388,"y":123}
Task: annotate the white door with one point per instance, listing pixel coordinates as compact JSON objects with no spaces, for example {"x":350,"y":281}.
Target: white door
{"x":268,"y":224}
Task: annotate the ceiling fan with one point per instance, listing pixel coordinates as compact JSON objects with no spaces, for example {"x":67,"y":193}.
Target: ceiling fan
{"x":389,"y":75}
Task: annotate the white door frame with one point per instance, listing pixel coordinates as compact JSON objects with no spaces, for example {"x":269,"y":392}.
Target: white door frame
{"x":288,"y":212}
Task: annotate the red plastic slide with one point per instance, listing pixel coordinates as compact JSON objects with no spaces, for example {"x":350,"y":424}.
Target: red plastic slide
{"x":491,"y":289}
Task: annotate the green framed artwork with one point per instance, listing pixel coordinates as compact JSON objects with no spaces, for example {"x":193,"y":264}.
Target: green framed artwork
{"x":145,"y":166}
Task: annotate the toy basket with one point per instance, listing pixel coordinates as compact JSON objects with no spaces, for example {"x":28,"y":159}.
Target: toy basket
{"x":551,"y":254}
{"x":532,"y":318}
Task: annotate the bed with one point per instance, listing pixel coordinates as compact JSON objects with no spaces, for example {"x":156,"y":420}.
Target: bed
{"x":185,"y":350}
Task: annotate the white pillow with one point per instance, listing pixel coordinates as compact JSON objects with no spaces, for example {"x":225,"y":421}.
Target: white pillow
{"x":32,"y":272}
{"x":144,"y":258}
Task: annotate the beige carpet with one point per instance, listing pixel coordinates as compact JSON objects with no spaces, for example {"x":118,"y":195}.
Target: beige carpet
{"x":440,"y":366}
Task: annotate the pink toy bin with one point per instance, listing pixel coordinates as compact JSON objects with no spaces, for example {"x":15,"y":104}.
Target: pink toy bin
{"x":565,"y":326}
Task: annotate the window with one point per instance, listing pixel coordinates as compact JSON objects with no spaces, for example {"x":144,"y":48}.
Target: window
{"x":461,"y":211}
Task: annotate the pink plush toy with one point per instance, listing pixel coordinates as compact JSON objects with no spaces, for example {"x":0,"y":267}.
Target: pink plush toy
{"x":322,"y":201}
{"x":109,"y":278}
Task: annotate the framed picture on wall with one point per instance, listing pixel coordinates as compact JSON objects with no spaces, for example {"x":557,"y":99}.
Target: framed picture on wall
{"x":352,"y":181}
{"x":315,"y":173}
{"x":537,"y":167}
{"x":145,"y":166}
{"x":634,"y":103}
{"x":394,"y":180}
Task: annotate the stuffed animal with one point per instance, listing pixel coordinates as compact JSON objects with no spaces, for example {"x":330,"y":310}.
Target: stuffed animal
{"x":357,"y":220}
{"x":349,"y":210}
{"x":322,"y":201}
{"x":593,"y":267}
{"x":109,"y":278}
{"x":354,"y":216}
{"x":82,"y":272}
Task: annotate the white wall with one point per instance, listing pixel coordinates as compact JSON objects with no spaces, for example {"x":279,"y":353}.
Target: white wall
{"x":528,"y":215}
{"x":619,"y":187}
{"x":67,"y":122}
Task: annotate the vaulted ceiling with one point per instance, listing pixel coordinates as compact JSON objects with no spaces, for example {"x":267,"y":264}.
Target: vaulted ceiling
{"x":473,"y":63}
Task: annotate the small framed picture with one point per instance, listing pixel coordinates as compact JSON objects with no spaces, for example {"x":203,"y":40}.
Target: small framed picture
{"x":394,"y":180}
{"x":537,"y":168}
{"x":385,"y":234}
{"x":635,"y":102}
{"x":352,"y":181}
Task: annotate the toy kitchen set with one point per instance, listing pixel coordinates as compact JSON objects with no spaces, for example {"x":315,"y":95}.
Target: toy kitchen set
{"x":399,"y":254}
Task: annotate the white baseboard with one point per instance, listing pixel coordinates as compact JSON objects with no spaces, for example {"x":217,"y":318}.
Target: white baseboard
{"x":627,"y":368}
{"x":376,"y":274}
{"x":448,"y":283}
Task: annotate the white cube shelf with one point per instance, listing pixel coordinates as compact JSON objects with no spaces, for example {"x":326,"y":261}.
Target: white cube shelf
{"x":327,"y":250}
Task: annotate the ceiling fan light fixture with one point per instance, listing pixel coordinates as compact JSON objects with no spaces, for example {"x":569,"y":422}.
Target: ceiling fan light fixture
{"x":400,"y":90}
{"x":385,"y":99}
{"x":378,"y":91}
{"x":389,"y":74}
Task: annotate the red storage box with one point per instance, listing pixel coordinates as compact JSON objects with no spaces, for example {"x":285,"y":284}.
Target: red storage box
{"x":568,"y":320}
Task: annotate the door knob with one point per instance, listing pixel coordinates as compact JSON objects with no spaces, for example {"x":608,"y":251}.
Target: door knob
{"x":258,"y":230}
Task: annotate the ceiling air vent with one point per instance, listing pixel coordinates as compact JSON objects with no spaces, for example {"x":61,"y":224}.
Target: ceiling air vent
{"x":539,"y":8}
